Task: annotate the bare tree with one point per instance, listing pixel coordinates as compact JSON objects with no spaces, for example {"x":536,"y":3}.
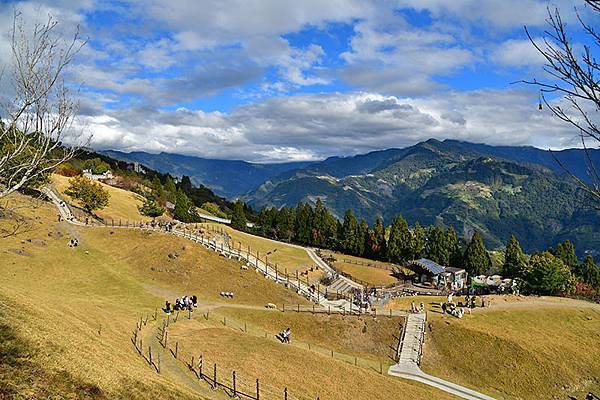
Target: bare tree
{"x":574,"y":75}
{"x":34,"y":120}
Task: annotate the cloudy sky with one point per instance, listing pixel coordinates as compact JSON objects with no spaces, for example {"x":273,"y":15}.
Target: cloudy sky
{"x":275,"y":80}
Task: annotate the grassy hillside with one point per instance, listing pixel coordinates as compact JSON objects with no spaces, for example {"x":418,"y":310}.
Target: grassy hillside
{"x":545,"y":348}
{"x":305,"y":373}
{"x":371,"y":275}
{"x":72,"y":310}
{"x":122,"y":205}
{"x":285,"y":256}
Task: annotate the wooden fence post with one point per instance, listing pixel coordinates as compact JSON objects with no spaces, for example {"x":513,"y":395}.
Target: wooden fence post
{"x":150,"y":354}
{"x":298,"y":307}
{"x":158,"y":366}
{"x":200,"y":366}
{"x":257,"y":390}
{"x":155,"y":313}
{"x":215,"y":377}
{"x":285,"y":394}
{"x":234,"y":387}
{"x":176,"y":348}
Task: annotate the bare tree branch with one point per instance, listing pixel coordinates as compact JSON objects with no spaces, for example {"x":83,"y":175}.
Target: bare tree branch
{"x":576,"y":77}
{"x":33,"y":123}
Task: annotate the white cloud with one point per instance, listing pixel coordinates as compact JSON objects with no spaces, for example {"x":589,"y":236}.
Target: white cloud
{"x":318,"y":125}
{"x":518,"y":53}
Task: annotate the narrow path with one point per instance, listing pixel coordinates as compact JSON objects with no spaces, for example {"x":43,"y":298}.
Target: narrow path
{"x":410,"y":349}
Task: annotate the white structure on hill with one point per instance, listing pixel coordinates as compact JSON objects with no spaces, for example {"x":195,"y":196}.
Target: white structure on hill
{"x":108,"y":175}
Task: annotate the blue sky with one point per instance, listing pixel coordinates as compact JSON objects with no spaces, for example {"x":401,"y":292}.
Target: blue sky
{"x":271,"y":80}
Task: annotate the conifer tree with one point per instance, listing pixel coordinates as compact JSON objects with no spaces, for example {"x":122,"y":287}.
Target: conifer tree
{"x":399,"y":243}
{"x":515,"y":265}
{"x":566,"y":252}
{"x":183,"y":210}
{"x":363,"y":238}
{"x":238,"y":218}
{"x":378,"y":243}
{"x":350,"y":233}
{"x":455,"y":259}
{"x":437,"y":247}
{"x":151,"y":208}
{"x":303,"y":227}
{"x":170,"y":189}
{"x":476,"y":259}
{"x":418,"y":241}
{"x":589,"y":272}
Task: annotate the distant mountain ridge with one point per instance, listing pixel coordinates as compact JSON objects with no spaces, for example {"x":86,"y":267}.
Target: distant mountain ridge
{"x":228,"y":178}
{"x":495,"y":190}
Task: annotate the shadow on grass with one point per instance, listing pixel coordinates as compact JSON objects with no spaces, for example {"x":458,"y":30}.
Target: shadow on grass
{"x":20,"y":377}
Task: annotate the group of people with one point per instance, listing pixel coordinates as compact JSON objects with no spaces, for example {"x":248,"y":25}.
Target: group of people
{"x":181,"y":304}
{"x":286,"y":335}
{"x":414,"y":309}
{"x":452,"y":309}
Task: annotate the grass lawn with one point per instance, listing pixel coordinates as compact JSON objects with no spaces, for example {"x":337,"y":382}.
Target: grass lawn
{"x":306,"y":374}
{"x":363,"y":337}
{"x":520,"y":349}
{"x":122,"y":204}
{"x":71,"y":311}
{"x":285,"y":256}
{"x":371,"y":275}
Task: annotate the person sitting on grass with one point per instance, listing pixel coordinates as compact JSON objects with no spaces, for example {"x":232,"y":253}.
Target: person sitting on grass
{"x":167,"y":308}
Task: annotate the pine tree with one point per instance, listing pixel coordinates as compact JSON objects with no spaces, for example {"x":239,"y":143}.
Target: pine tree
{"x":589,"y":272}
{"x":566,"y":252}
{"x":151,"y":208}
{"x":90,"y":194}
{"x":453,"y":248}
{"x":170,"y":189}
{"x":379,"y":245}
{"x":303,"y":227}
{"x":476,"y":259}
{"x":399,"y":243}
{"x":186,"y":184}
{"x":362,"y":238}
{"x":418,"y":241}
{"x":320,"y":225}
{"x":238,"y":218}
{"x":350,"y":233}
{"x":437,"y":246}
{"x":157,"y":189}
{"x":515,"y":265}
{"x":183,"y":210}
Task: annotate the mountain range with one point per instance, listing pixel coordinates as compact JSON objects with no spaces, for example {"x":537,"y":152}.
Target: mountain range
{"x":228,"y":178}
{"x":497,"y":190}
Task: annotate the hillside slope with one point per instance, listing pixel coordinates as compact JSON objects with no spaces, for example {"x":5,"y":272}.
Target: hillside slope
{"x":448,"y":183}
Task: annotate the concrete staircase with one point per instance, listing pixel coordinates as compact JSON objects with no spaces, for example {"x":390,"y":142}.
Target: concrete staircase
{"x":410,"y":349}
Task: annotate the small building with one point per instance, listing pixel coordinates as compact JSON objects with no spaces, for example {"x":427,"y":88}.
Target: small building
{"x":429,"y":272}
{"x":108,"y":175}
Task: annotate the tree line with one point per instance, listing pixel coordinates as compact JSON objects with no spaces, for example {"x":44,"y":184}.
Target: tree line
{"x":554,"y":271}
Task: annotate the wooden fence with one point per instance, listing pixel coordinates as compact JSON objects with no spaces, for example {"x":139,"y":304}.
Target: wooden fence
{"x":230,"y":381}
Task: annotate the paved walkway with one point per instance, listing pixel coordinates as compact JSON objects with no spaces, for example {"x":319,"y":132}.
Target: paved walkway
{"x":410,"y":349}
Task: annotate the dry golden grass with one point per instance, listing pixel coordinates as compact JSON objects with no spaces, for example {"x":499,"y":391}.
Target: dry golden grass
{"x":520,"y":348}
{"x":287,"y":257}
{"x":305,"y":373}
{"x":122,"y":205}
{"x":357,"y":336}
{"x":371,"y":275}
{"x":79,"y":305}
